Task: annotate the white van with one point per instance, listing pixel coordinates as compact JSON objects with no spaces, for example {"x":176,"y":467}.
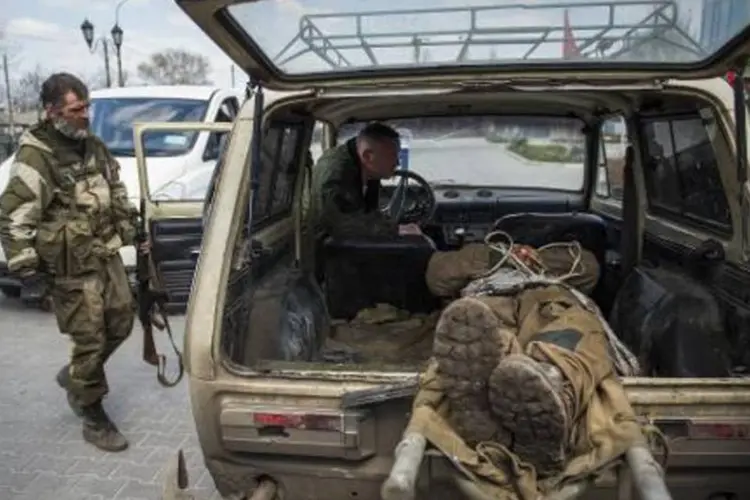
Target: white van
{"x":172,"y":155}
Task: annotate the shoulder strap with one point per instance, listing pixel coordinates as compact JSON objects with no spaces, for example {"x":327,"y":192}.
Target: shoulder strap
{"x":102,"y":157}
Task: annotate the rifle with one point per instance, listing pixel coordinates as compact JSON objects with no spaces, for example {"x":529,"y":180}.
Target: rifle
{"x":151,"y":299}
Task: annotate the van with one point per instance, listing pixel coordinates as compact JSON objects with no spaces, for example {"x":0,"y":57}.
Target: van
{"x":172,"y":156}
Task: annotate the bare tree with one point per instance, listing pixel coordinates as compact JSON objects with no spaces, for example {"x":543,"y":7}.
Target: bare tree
{"x":98,"y":80}
{"x":27,"y":88}
{"x":175,"y":67}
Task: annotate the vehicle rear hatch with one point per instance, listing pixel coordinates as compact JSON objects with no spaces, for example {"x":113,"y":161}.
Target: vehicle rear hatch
{"x":332,"y":44}
{"x":287,"y":44}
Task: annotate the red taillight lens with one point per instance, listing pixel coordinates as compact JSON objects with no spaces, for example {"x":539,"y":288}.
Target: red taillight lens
{"x":730,"y":77}
{"x":719,"y":431}
{"x":298,"y":421}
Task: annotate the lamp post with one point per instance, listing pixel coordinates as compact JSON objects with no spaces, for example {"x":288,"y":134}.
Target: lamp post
{"x":88,"y":35}
{"x":117,"y":38}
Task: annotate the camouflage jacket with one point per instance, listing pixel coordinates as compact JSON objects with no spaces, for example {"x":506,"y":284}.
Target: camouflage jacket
{"x":64,"y":208}
{"x":339,"y":205}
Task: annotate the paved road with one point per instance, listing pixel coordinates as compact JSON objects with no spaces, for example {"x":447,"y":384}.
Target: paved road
{"x":42,"y":456}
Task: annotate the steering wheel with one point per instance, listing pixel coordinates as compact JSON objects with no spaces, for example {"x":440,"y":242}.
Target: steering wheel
{"x":420,"y":208}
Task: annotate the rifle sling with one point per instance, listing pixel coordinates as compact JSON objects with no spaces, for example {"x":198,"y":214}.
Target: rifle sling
{"x":162,"y":365}
{"x":146,"y":316}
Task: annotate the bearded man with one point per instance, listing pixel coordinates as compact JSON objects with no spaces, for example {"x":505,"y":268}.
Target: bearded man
{"x":64,"y":215}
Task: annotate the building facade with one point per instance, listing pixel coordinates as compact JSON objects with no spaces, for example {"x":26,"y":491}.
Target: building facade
{"x":721,"y":18}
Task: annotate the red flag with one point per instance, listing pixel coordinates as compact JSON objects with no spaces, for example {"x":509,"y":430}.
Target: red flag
{"x":570,"y":49}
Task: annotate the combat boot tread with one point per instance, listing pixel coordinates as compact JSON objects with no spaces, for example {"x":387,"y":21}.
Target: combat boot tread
{"x":527,"y":398}
{"x":469,"y":342}
{"x":100,"y":431}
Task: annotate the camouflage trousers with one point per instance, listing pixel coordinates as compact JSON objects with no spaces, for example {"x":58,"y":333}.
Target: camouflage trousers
{"x":520,"y":370}
{"x":97,"y":312}
{"x":448,"y":272}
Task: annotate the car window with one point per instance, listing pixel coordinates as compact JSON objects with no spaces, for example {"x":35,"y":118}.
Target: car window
{"x":112,"y":120}
{"x":681,"y":169}
{"x":613,"y":142}
{"x":316,"y":144}
{"x":276,"y":174}
{"x":284,"y":178}
{"x":227,"y":112}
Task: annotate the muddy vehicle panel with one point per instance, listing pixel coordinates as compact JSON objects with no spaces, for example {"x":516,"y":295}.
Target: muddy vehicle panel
{"x":643,"y":160}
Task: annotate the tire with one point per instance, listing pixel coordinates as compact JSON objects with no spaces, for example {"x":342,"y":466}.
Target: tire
{"x":11,"y":291}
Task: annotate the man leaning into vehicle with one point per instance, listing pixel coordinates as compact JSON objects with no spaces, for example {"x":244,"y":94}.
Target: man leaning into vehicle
{"x":64,"y":215}
{"x":346,"y":185}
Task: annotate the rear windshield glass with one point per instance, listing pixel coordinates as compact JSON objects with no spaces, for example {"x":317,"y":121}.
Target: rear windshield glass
{"x":323,"y":36}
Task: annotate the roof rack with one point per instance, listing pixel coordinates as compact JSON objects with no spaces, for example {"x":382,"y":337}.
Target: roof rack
{"x":613,"y":39}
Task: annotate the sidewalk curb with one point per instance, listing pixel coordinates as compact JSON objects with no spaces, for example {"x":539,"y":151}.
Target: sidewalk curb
{"x":533,"y":163}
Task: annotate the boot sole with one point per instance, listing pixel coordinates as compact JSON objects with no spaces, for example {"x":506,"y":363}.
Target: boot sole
{"x":96,"y":441}
{"x":530,"y":408}
{"x":69,"y":397}
{"x":469,"y":343}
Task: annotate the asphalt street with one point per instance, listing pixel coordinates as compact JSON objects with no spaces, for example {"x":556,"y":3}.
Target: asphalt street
{"x":42,"y":454}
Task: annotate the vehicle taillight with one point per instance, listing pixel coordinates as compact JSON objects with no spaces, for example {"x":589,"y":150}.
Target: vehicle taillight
{"x":684,"y":428}
{"x":730,"y":76}
{"x":725,"y":431}
{"x":304,"y":421}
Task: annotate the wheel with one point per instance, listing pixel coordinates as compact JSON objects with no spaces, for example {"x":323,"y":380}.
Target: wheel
{"x":11,"y":291}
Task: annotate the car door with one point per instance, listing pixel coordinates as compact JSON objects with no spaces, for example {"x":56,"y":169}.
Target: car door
{"x":173,"y":210}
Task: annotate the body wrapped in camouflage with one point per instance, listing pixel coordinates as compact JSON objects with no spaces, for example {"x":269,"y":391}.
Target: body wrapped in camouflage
{"x":448,"y":272}
{"x":64,"y":215}
{"x":342,"y":205}
{"x":524,"y":373}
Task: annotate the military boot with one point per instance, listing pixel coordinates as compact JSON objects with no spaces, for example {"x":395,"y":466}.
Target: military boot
{"x":99,"y":430}
{"x":63,"y":380}
{"x":534,"y":404}
{"x":469,"y":342}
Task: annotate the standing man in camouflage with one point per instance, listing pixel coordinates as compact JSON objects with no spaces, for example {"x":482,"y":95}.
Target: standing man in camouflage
{"x":346,"y":183}
{"x":64,"y":215}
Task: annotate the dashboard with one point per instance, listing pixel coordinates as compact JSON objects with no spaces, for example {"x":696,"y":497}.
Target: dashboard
{"x":467,"y":214}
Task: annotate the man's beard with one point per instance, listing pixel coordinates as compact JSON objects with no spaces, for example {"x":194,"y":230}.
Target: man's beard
{"x":68,"y":130}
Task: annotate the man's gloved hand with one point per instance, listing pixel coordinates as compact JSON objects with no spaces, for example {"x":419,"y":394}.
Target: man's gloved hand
{"x":33,"y":284}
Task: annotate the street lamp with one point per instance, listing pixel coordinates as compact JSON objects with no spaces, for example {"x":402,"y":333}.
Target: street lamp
{"x":88,"y":32}
{"x":88,"y":35}
{"x":117,"y":38}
